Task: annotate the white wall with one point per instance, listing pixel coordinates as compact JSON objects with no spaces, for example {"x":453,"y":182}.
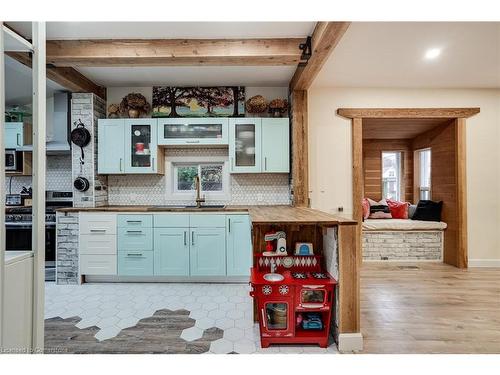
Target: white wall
{"x":330,"y":153}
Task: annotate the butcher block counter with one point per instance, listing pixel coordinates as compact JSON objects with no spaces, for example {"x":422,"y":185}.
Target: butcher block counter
{"x":258,"y":214}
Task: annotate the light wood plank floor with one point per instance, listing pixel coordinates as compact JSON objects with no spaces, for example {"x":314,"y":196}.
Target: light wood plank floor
{"x":433,"y":309}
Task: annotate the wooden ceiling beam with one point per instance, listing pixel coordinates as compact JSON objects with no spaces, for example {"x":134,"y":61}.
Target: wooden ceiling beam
{"x":67,"y":77}
{"x":325,"y":37}
{"x":407,"y":112}
{"x":175,"y":52}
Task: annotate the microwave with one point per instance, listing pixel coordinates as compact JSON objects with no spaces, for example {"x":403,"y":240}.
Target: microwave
{"x":13,"y":160}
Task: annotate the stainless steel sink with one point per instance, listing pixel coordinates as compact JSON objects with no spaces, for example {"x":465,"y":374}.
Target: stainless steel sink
{"x":273,"y":277}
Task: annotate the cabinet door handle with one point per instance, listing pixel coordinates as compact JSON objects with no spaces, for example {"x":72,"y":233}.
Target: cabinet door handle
{"x":193,"y":141}
{"x":17,"y":139}
{"x":263,"y":318}
{"x":185,"y":240}
{"x":232,"y":163}
{"x":121,"y":161}
{"x":265,"y":163}
{"x":192,"y":238}
{"x":229,"y":229}
{"x":153,"y":163}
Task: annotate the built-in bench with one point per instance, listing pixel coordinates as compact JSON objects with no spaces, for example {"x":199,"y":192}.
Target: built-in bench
{"x":402,"y":239}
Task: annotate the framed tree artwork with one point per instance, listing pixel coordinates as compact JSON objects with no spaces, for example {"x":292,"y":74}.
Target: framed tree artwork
{"x":217,"y":101}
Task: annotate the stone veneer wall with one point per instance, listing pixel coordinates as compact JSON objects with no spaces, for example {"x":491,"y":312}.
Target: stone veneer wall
{"x":67,"y":248}
{"x":400,"y":245}
{"x":88,"y":108}
{"x":246,"y":189}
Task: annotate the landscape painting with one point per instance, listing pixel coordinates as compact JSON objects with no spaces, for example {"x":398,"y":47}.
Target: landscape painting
{"x":220,"y":101}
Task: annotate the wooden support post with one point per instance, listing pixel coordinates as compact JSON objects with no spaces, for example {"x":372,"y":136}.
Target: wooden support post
{"x":39,"y":165}
{"x":300,"y":156}
{"x":357,"y":168}
{"x":461,"y":195}
{"x":349,"y":263}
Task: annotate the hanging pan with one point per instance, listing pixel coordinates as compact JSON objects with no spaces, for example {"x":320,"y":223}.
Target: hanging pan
{"x":80,"y":136}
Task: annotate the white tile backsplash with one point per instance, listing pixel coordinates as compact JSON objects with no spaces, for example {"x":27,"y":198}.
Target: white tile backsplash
{"x":246,"y":189}
{"x":58,"y":176}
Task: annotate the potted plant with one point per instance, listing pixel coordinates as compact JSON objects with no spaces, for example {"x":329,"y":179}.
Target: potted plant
{"x":134,"y":105}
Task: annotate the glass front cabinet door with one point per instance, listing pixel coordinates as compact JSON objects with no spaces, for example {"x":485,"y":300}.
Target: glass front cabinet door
{"x":141,"y":146}
{"x":193,"y":131}
{"x":276,"y":317}
{"x":245,"y":145}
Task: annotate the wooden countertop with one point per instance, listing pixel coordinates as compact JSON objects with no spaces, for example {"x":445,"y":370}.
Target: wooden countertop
{"x":258,"y":214}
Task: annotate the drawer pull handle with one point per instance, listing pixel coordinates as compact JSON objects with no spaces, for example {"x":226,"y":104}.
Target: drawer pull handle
{"x":98,"y":230}
{"x":192,"y":141}
{"x":134,"y":221}
{"x":134,"y":254}
{"x":134,"y":231}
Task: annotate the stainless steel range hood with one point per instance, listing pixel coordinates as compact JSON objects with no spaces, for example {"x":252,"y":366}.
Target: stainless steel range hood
{"x":58,"y":125}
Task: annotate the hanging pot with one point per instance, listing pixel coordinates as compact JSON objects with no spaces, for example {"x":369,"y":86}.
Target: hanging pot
{"x":81,"y":184}
{"x":80,"y":136}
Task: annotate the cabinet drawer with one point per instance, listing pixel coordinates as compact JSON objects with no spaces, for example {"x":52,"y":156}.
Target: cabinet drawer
{"x":207,"y":221}
{"x":97,"y":264}
{"x":171,"y":221}
{"x":135,"y":238}
{"x":135,"y":221}
{"x":135,"y":263}
{"x":98,"y":245}
{"x":97,"y":224}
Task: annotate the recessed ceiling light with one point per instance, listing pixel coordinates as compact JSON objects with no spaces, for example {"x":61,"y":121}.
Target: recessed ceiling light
{"x":432,"y":53}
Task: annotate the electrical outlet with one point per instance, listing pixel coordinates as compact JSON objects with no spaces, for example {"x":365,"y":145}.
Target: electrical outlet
{"x":340,"y":209}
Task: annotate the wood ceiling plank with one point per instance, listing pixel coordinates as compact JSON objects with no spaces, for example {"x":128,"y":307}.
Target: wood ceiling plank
{"x":175,"y":52}
{"x":407,"y":112}
{"x":326,"y":36}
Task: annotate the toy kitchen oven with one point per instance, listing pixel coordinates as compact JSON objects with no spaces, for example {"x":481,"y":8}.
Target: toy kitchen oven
{"x":294,"y":298}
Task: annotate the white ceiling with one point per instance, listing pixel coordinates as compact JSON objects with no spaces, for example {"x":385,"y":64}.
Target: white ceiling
{"x":18,"y":83}
{"x":389,"y":54}
{"x":190,"y":75}
{"x":169,"y":30}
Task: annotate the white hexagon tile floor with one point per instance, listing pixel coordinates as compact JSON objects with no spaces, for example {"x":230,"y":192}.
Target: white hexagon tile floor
{"x":115,"y":306}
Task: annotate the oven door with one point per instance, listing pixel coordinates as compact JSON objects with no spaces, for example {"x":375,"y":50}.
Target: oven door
{"x":276,"y":317}
{"x":313,"y":297}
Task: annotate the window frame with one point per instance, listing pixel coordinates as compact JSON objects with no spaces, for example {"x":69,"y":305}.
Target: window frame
{"x":399,"y":179}
{"x":173,"y":194}
{"x":417,"y":188}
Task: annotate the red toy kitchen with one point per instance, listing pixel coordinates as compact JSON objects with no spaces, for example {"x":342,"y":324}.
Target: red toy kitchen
{"x":294,"y":298}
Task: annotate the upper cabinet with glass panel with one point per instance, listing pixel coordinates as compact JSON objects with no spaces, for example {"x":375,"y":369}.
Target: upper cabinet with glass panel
{"x":193,"y":131}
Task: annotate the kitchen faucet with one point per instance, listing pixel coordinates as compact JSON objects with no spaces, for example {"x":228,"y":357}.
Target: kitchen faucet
{"x":199,"y":199}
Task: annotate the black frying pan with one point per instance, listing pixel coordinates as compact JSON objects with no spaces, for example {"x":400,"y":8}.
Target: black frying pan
{"x":80,"y":136}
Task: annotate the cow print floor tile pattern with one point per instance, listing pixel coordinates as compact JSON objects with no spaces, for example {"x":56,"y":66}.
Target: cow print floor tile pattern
{"x":155,"y":318}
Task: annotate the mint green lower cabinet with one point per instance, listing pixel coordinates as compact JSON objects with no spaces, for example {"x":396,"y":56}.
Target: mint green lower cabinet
{"x":208,"y":251}
{"x":171,"y":251}
{"x":239,"y":245}
{"x":135,"y":263}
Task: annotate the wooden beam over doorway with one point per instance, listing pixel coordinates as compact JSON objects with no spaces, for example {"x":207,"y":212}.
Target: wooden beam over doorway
{"x":175,"y":52}
{"x":409,"y":113}
{"x":326,"y":36}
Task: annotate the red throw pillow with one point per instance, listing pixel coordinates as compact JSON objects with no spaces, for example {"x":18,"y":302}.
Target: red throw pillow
{"x":399,"y":210}
{"x":366,"y":208}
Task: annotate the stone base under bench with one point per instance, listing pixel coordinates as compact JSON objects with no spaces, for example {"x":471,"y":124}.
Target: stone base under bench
{"x":403,"y":245}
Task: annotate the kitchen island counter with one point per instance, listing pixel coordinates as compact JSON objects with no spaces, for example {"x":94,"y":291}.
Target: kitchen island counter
{"x":258,"y":214}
